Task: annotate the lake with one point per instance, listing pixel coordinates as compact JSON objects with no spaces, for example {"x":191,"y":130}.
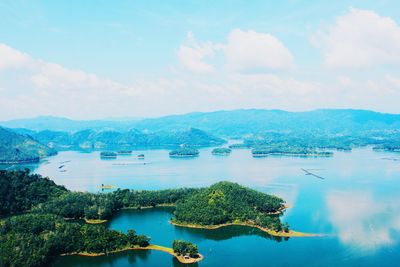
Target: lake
{"x":357,"y":206}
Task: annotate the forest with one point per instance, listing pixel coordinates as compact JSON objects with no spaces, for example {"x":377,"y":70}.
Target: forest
{"x":227,"y":202}
{"x":35,"y":239}
{"x":184,"y":152}
{"x":36,"y":225}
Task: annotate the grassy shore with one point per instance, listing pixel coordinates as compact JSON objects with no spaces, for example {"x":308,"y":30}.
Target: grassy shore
{"x":149,"y":247}
{"x":291,"y":233}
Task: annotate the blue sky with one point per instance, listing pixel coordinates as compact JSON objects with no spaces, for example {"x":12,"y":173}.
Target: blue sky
{"x":94,"y":59}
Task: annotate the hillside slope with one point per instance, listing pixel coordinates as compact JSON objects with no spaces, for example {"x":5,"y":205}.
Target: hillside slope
{"x":16,"y":148}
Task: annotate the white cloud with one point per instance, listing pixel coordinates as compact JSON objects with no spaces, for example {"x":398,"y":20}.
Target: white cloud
{"x":192,"y":55}
{"x":360,"y":38}
{"x":251,"y":50}
{"x":245,"y":51}
{"x":11,"y":58}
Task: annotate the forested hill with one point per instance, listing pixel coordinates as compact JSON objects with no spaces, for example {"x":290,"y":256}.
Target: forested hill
{"x":232,"y":123}
{"x":16,"y":148}
{"x":108,"y":138}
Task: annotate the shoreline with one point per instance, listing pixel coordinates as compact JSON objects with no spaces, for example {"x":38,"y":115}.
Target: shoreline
{"x":279,"y":211}
{"x":291,"y":233}
{"x":168,"y":250}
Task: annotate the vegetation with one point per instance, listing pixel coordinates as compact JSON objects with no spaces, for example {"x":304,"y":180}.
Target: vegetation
{"x":238,"y":146}
{"x":34,"y":239}
{"x":227,"y":202}
{"x":108,"y":154}
{"x":288,"y":150}
{"x":98,"y":139}
{"x":20,"y":191}
{"x":19,"y":148}
{"x":183,"y":248}
{"x":184,"y":152}
{"x":221,"y":151}
{"x":393,"y":146}
{"x":125,"y":152}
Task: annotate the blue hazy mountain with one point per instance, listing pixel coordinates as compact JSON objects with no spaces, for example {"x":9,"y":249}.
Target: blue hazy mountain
{"x":111,"y":138}
{"x":255,"y":121}
{"x":42,"y":123}
{"x":15,"y":147}
{"x":232,"y":123}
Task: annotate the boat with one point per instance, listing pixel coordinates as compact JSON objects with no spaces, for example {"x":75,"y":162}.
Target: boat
{"x":140,"y":156}
{"x":106,"y":186}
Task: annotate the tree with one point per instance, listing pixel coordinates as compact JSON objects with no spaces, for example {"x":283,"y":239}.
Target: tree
{"x":181,"y":247}
{"x":131,"y":236}
{"x":142,"y":240}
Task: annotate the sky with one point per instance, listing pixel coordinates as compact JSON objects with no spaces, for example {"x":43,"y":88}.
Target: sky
{"x":104,"y":59}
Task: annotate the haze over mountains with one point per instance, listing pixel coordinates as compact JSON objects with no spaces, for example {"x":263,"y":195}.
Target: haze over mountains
{"x":231,"y":123}
{"x":15,"y":147}
{"x":331,"y":128}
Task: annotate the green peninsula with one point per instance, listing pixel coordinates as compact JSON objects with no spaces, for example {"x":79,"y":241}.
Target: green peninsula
{"x":227,"y":203}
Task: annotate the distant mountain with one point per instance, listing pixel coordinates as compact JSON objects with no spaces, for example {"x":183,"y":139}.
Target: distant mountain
{"x":234,"y":123}
{"x":254,"y":121}
{"x":63,"y":124}
{"x":15,"y":148}
{"x":105,"y":138}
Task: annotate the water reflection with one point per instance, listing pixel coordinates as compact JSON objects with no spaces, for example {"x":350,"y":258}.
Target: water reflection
{"x":226,"y":233}
{"x":364,"y":221}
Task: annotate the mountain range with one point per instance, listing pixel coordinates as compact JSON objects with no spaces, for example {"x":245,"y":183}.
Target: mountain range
{"x":234,"y":123}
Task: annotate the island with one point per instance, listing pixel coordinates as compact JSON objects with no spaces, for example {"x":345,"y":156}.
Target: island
{"x":108,"y":155}
{"x":184,"y":152}
{"x":125,"y":152}
{"x":239,"y":146}
{"x":227,"y":203}
{"x":221,"y":151}
{"x":289,"y":151}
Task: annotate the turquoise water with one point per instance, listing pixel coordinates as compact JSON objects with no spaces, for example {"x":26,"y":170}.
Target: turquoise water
{"x":357,"y":206}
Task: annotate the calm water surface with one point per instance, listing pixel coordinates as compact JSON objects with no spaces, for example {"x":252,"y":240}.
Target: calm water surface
{"x":357,"y":205}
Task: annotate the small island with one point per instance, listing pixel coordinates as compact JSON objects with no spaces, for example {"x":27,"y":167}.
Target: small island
{"x":221,"y":151}
{"x":125,"y":152}
{"x":184,"y":152}
{"x":289,"y":151}
{"x":108,"y":155}
{"x":239,"y":146}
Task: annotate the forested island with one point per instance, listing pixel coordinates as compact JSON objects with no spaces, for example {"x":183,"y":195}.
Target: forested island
{"x":36,"y":221}
{"x":227,"y":203}
{"x":184,"y":152}
{"x":388,"y":146}
{"x":221,"y":151}
{"x":108,"y":155}
{"x":289,"y":151}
